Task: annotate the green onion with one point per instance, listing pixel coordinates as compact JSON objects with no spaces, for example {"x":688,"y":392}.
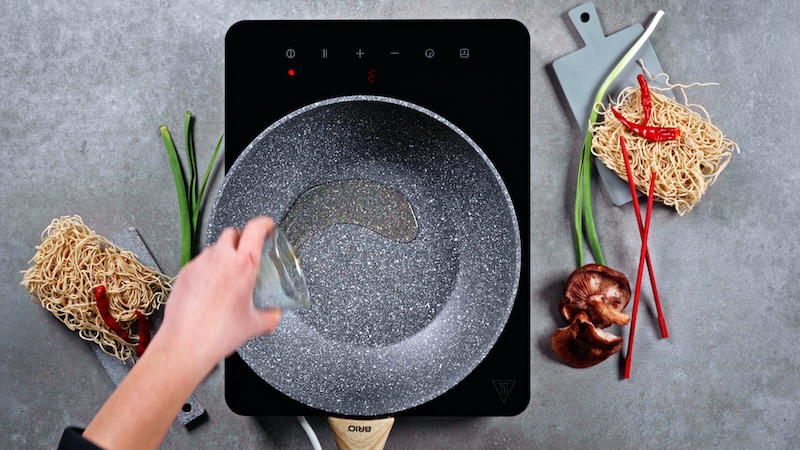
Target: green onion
{"x":205,"y":180}
{"x":189,"y":199}
{"x":579,"y":213}
{"x":192,"y":186}
{"x":583,"y":195}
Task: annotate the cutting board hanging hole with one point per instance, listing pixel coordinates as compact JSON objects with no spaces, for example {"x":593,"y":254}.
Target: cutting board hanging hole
{"x":586,"y":21}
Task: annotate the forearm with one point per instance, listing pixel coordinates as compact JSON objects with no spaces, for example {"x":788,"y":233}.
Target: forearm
{"x":139,"y":413}
{"x":209,"y":314}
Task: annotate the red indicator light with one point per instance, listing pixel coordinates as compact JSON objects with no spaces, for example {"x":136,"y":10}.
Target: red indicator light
{"x":291,"y":72}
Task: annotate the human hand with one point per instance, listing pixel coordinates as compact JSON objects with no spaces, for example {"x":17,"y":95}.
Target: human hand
{"x":210,"y":311}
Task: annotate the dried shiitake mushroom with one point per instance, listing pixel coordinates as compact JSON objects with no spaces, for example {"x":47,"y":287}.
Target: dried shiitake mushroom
{"x":599,"y":291}
{"x":594,"y":298}
{"x":581,"y":344}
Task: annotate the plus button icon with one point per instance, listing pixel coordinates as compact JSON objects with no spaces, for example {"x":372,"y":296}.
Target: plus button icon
{"x":360,"y":53}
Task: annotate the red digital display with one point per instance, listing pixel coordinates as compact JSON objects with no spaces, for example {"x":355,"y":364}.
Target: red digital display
{"x":371,"y":76}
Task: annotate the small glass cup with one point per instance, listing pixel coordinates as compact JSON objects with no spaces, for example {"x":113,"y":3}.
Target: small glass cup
{"x":280,"y":282}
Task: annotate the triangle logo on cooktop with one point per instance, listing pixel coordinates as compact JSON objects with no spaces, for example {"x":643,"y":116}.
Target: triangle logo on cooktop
{"x":503,"y":388}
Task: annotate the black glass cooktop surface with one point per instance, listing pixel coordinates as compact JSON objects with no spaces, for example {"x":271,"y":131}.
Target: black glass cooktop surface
{"x":473,"y":73}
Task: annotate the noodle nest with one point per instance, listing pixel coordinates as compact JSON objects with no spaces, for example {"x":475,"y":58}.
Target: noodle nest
{"x":685,"y":168}
{"x":71,"y":263}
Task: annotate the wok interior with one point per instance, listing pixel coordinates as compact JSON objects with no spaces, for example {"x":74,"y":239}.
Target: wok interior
{"x":391,"y":324}
{"x":370,"y":291}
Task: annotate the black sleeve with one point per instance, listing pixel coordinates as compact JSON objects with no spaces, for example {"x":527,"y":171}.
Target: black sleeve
{"x":73,"y":439}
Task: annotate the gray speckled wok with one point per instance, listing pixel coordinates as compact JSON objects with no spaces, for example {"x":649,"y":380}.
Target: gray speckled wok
{"x":392,"y":324}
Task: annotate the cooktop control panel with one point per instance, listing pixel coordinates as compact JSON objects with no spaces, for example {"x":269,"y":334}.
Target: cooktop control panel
{"x":474,"y":73}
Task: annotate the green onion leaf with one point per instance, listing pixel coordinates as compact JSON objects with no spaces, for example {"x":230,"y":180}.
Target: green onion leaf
{"x":189,"y":199}
{"x":205,"y":180}
{"x":180,"y":187}
{"x":190,"y":156}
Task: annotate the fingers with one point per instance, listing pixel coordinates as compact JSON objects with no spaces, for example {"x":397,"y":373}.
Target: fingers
{"x":252,"y":239}
{"x":230,"y":237}
{"x":269,"y":320}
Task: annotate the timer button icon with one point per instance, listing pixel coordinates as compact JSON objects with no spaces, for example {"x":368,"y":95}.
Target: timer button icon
{"x":290,"y":53}
{"x":429,"y":53}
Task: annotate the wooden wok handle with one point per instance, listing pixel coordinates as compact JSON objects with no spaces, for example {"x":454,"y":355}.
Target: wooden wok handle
{"x":360,"y":434}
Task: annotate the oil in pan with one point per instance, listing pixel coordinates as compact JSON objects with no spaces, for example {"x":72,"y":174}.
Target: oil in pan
{"x":340,"y":269}
{"x":367,"y":203}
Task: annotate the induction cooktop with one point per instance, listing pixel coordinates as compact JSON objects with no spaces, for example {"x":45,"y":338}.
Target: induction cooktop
{"x":474,"y":73}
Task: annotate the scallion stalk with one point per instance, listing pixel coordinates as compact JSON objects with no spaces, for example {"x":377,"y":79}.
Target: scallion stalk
{"x":583,"y":195}
{"x":579,"y":213}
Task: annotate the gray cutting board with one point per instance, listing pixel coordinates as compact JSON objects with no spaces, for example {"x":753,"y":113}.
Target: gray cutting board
{"x":130,"y":240}
{"x":583,"y":71}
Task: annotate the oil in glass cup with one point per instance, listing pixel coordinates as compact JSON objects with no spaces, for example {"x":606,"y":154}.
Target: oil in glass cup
{"x":280,"y":282}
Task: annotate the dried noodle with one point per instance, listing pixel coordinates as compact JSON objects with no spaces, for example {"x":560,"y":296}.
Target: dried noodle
{"x":685,"y":167}
{"x":71,"y":262}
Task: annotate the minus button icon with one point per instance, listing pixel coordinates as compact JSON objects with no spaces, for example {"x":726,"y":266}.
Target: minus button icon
{"x":395,"y":52}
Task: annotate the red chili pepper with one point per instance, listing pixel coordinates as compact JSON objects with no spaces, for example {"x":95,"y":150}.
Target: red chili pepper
{"x":102,"y":306}
{"x":647,"y":132}
{"x":144,"y":334}
{"x":647,"y":101}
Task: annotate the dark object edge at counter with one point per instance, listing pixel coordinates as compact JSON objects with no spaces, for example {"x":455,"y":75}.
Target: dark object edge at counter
{"x":73,"y":439}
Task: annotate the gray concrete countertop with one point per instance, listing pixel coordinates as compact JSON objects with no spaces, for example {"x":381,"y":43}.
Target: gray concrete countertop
{"x":85,"y":86}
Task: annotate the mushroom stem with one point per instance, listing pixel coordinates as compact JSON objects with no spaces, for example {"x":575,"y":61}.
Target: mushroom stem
{"x":607,"y":312}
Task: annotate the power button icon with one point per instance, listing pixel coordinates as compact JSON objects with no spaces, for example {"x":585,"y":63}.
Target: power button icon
{"x":290,"y":53}
{"x":429,"y":53}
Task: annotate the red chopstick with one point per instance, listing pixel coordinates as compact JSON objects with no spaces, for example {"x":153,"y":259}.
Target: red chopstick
{"x":661,"y":320}
{"x":639,"y":274}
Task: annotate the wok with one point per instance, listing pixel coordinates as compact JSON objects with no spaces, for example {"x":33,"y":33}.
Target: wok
{"x":393,"y":323}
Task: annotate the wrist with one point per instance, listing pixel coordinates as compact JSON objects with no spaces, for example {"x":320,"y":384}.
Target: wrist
{"x":182,"y":352}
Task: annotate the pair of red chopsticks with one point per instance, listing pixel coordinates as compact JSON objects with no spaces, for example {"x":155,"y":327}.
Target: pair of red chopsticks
{"x":644,"y":231}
